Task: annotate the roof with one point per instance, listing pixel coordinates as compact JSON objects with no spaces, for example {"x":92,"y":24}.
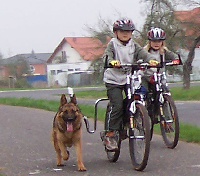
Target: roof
{"x":88,"y":47}
{"x":32,"y":58}
{"x":189,"y":15}
{"x":187,"y":18}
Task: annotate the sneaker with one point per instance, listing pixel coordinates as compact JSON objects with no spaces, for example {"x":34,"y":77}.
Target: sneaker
{"x":110,"y":141}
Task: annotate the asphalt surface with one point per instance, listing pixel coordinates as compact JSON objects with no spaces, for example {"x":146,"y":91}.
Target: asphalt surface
{"x":26,"y":149}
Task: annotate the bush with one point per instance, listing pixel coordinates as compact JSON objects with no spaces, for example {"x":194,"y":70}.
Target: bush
{"x":21,"y":83}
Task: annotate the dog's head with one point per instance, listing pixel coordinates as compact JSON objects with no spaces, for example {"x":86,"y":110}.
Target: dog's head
{"x":69,"y":112}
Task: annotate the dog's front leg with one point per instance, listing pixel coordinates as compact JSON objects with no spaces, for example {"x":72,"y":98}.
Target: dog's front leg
{"x":65,"y":155}
{"x":80,"y":164}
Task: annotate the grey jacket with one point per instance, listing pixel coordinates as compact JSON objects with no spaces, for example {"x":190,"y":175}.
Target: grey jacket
{"x":168,"y":56}
{"x":128,"y":54}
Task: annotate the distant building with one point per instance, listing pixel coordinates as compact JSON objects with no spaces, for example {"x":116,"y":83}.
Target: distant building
{"x":69,"y":64}
{"x":36,"y":63}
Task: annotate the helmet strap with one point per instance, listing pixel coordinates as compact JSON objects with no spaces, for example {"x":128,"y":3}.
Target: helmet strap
{"x":124,"y":42}
{"x":154,"y":49}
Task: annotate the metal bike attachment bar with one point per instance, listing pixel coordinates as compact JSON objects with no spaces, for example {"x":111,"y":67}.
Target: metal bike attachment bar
{"x":95,"y":117}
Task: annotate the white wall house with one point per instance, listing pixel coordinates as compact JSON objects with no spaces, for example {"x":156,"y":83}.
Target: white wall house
{"x":196,"y":66}
{"x":195,"y":75}
{"x":71,"y":60}
{"x":59,"y":73}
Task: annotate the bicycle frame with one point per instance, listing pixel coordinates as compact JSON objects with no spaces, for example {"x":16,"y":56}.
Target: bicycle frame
{"x":133,"y":83}
{"x":160,"y":86}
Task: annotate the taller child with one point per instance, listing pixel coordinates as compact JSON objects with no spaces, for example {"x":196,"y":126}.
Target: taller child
{"x":120,"y":50}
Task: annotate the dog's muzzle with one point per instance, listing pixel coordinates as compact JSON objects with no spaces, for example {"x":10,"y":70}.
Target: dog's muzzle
{"x":69,"y":122}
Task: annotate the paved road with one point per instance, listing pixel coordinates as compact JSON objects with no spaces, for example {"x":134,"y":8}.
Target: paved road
{"x":26,"y":150}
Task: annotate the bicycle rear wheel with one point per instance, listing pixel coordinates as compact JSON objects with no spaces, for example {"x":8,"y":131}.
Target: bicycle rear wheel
{"x":139,"y":138}
{"x":170,"y":125}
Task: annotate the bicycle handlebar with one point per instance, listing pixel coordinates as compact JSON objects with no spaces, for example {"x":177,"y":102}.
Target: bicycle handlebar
{"x":140,"y":66}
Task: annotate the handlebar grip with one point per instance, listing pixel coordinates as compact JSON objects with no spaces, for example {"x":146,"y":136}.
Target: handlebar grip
{"x":106,"y":63}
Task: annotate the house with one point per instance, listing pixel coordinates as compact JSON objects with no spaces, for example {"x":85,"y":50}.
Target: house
{"x":190,"y":21}
{"x":36,"y":62}
{"x":187,"y":18}
{"x":70,"y":63}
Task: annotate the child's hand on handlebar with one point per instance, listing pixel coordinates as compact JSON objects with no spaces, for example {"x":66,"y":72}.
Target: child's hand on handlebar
{"x":176,"y":61}
{"x":153,"y":62}
{"x":115,"y":63}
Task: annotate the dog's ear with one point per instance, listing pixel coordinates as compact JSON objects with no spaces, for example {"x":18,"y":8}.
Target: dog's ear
{"x":73,"y":99}
{"x":63,"y":100}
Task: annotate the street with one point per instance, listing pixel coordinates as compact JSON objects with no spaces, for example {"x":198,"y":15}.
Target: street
{"x":26,"y":149}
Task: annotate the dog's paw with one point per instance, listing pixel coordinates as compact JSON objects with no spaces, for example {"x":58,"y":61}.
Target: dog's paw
{"x":81,"y":169}
{"x":61,"y":165}
{"x":66,"y":156}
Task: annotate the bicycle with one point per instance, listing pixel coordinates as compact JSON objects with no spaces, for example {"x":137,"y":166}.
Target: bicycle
{"x":136,"y":122}
{"x":161,"y":107}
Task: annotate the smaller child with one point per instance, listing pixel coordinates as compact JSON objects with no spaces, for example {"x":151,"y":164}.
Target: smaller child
{"x":156,"y":47}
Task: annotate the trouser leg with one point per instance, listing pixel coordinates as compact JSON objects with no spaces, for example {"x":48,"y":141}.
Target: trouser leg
{"x":115,"y":116}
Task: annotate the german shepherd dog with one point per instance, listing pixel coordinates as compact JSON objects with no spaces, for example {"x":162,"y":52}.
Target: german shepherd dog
{"x":66,"y":131}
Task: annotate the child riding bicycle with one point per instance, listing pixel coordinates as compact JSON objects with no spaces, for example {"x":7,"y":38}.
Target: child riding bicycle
{"x":120,"y":50}
{"x":156,"y":47}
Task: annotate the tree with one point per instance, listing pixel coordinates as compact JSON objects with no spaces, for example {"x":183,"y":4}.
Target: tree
{"x":191,"y":22}
{"x":101,"y":31}
{"x":18,"y":68}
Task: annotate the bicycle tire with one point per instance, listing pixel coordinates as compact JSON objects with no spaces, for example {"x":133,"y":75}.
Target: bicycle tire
{"x":111,"y":155}
{"x":139,"y":138}
{"x":151,"y":130}
{"x":170,"y":134}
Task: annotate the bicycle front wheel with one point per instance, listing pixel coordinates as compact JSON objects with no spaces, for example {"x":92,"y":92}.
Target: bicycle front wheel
{"x":139,"y":138}
{"x":113,"y":155}
{"x":169,"y":125}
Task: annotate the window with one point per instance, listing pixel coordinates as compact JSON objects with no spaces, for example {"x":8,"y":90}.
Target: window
{"x":53,"y":72}
{"x":64,"y":57}
{"x":70,"y":69}
{"x":31,"y":68}
{"x":59,"y":71}
{"x":77,"y":69}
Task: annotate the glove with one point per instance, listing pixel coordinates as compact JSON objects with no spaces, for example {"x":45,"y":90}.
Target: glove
{"x":176,"y":61}
{"x":153,"y":62}
{"x":114,"y":63}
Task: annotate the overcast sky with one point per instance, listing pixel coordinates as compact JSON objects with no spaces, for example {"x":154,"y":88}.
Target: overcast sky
{"x":40,"y":25}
